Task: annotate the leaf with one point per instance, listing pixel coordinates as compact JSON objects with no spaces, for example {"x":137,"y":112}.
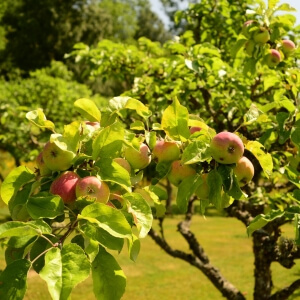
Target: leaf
{"x":261,"y":220}
{"x":272,"y":3}
{"x":45,"y":206}
{"x":64,"y":269}
{"x":16,"y":228}
{"x":293,"y":175}
{"x":38,"y":118}
{"x":14,"y":181}
{"x":196,"y":151}
{"x":109,"y":280}
{"x":141,"y":212}
{"x":295,"y":137}
{"x":265,"y":159}
{"x":88,"y":109}
{"x":13,"y":280}
{"x":252,"y":114}
{"x":285,"y":7}
{"x":134,"y":247}
{"x":237,"y":46}
{"x":112,"y":171}
{"x":297,"y":229}
{"x":107,"y":218}
{"x":175,"y":121}
{"x":214,"y":181}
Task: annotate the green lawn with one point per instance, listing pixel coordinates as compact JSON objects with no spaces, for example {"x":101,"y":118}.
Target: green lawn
{"x":156,"y":275}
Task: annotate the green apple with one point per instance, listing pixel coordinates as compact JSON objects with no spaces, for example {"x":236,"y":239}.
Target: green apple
{"x":288,"y":47}
{"x":202,"y":192}
{"x":273,"y":58}
{"x":261,"y":36}
{"x":244,"y":171}
{"x":57,"y":159}
{"x":93,"y":188}
{"x":226,"y":148}
{"x":138,"y":159}
{"x":123,"y":163}
{"x":166,"y":151}
{"x":179,"y":171}
{"x":43,"y":169}
{"x":65,"y":186}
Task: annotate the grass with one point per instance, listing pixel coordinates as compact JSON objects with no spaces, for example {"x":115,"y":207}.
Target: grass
{"x":157,"y":275}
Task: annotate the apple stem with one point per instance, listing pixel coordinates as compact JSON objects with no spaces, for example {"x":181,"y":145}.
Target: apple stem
{"x":41,"y":254}
{"x":44,"y":237}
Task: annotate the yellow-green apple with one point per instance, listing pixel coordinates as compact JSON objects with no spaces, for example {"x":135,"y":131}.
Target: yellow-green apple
{"x":43,"y":169}
{"x":92,"y":188}
{"x":249,"y":47}
{"x":244,"y":171}
{"x":57,"y":159}
{"x":202,"y":192}
{"x":166,"y":151}
{"x":288,"y":47}
{"x":273,"y":58}
{"x":123,"y":163}
{"x":261,"y":36}
{"x":65,"y":186}
{"x":226,"y":148}
{"x":138,"y":159}
{"x":247,"y":26}
{"x":194,"y":129}
{"x":179,"y":171}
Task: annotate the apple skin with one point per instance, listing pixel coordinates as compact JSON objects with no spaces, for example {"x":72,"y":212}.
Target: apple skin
{"x":179,"y":171}
{"x":166,"y":151}
{"x":273,"y":58}
{"x":65,"y":186}
{"x":92,"y":187}
{"x":123,"y":163}
{"x":261,"y":36}
{"x":194,"y":129}
{"x":43,"y":169}
{"x":138,"y":159}
{"x":202,"y":192}
{"x":244,"y":171}
{"x":247,"y":26}
{"x":226,"y":148}
{"x":288,"y":47}
{"x":57,"y":159}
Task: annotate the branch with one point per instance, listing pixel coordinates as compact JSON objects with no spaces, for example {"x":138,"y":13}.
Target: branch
{"x":286,"y":292}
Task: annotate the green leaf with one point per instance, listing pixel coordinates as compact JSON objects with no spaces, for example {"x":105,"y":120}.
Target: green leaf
{"x":16,"y":228}
{"x":214,"y":181}
{"x":14,"y":181}
{"x":109,"y":280}
{"x":252,"y":114}
{"x":265,"y":159}
{"x":297,"y":229}
{"x":237,"y":46}
{"x":295,"y":137}
{"x":137,"y":125}
{"x":38,"y":118}
{"x":109,"y":141}
{"x":293,"y":175}
{"x":141,"y":212}
{"x":134,"y":247}
{"x":113,"y":172}
{"x":13,"y":280}
{"x":45,"y":206}
{"x":285,"y":7}
{"x":272,"y":3}
{"x":175,"y":121}
{"x":261,"y":220}
{"x":64,"y":269}
{"x":107,"y":218}
{"x":196,"y":151}
{"x":88,"y":109}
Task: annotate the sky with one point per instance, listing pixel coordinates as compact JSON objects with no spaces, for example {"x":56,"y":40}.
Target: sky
{"x":157,"y":7}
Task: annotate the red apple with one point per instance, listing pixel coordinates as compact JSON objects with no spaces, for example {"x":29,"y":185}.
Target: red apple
{"x":287,"y":47}
{"x":65,"y":186}
{"x":261,"y":36}
{"x":244,"y":171}
{"x":226,"y":148}
{"x":166,"y":151}
{"x":43,"y":169}
{"x":123,"y":163}
{"x":138,"y":159}
{"x":202,"y":191}
{"x":179,"y":171}
{"x":273,"y":58}
{"x":57,"y":159}
{"x":93,"y":188}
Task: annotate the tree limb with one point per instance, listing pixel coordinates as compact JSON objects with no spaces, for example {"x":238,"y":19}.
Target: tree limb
{"x":286,"y":292}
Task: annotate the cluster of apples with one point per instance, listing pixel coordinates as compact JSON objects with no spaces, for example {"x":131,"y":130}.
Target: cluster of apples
{"x":258,"y":36}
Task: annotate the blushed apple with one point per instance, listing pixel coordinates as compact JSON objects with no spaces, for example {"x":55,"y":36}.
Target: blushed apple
{"x":57,"y":159}
{"x":288,"y":47}
{"x":273,"y":58}
{"x":43,"y":169}
{"x":202,"y":192}
{"x":138,"y":159}
{"x":92,"y":188}
{"x":261,"y":36}
{"x":226,"y":148}
{"x":123,"y":163}
{"x":166,"y":151}
{"x":179,"y":171}
{"x":65,"y":186}
{"x":244,"y":171}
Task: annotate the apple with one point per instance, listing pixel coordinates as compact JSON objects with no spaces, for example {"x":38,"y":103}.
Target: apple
{"x":123,"y":163}
{"x":138,"y":159}
{"x":287,"y":47}
{"x":247,"y":26}
{"x":261,"y":36}
{"x":166,"y":151}
{"x":57,"y":159}
{"x":244,"y":171}
{"x":226,"y":148}
{"x":202,"y":192}
{"x":93,"y":188}
{"x":179,"y":171}
{"x":273,"y":58}
{"x":194,"y":129}
{"x":65,"y":186}
{"x":249,"y":47}
{"x":94,"y":125}
{"x":43,"y":169}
